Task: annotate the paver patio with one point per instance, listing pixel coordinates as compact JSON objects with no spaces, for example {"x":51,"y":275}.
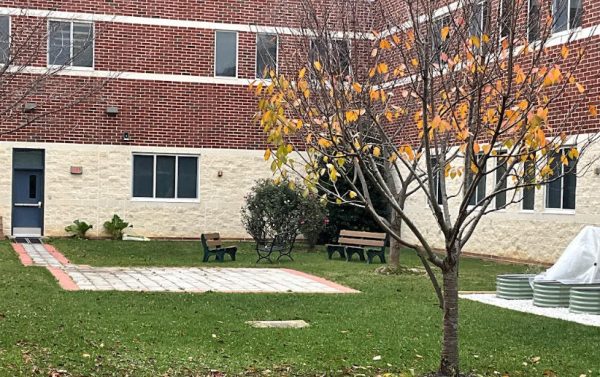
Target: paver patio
{"x":163,"y":279}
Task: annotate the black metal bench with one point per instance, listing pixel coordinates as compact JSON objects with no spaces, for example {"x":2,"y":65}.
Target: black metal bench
{"x":281,"y":243}
{"x":211,"y":242}
{"x":352,"y":242}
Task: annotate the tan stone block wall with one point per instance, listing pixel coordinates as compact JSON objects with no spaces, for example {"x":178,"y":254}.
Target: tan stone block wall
{"x":105,"y":187}
{"x":539,"y":235}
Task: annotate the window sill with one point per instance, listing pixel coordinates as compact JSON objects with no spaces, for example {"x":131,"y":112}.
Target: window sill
{"x":557,"y":211}
{"x":70,"y":68}
{"x":165,"y":200}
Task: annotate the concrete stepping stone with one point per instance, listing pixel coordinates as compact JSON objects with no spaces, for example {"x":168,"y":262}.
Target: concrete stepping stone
{"x":296,"y":324}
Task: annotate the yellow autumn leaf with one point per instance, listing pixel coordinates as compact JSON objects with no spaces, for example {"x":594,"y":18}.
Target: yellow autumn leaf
{"x":376,"y":151}
{"x":357,"y":87}
{"x":324,"y":143}
{"x":444,"y":33}
{"x":384,"y":44}
{"x":593,"y":110}
{"x":580,"y":88}
{"x":382,"y":68}
{"x":302,"y":73}
{"x":267,"y":154}
{"x":564,"y":51}
{"x":352,"y":194}
{"x":475,"y":41}
{"x":318,"y":65}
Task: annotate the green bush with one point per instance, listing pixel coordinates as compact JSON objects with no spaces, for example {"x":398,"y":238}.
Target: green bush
{"x":78,"y":229}
{"x":115,"y":227}
{"x":277,"y":208}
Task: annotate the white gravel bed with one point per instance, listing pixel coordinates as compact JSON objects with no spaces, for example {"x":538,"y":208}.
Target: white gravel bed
{"x":526,"y":306}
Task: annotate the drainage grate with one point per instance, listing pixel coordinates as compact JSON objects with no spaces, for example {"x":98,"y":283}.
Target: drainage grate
{"x":28,"y":240}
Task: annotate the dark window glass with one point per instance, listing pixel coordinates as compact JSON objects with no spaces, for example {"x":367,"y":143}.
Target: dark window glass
{"x":533,"y":23}
{"x":266,"y":54}
{"x":165,"y":176}
{"x":529,"y":191}
{"x":554,"y":187}
{"x":576,"y":9}
{"x":143,"y":176}
{"x":4,"y":39}
{"x":438,"y":45}
{"x":32,"y":186}
{"x":479,"y":194}
{"x":187,"y":177}
{"x":317,"y":51}
{"x":501,"y":182}
{"x":506,"y":18}
{"x":226,"y":54}
{"x":28,"y":159}
{"x":342,"y":57}
{"x":83,"y":44}
{"x":59,"y":43}
{"x":479,"y":18}
{"x":566,"y":14}
{"x":570,"y":185}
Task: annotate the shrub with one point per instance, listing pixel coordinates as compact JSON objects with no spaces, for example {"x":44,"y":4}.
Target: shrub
{"x":78,"y":229}
{"x":276,"y":208}
{"x":115,"y":227}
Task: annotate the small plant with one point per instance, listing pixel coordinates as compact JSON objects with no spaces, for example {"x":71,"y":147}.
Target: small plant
{"x":78,"y":229}
{"x":115,"y":227}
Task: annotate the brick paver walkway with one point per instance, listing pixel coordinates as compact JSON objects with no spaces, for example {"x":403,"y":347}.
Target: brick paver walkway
{"x":163,"y":279}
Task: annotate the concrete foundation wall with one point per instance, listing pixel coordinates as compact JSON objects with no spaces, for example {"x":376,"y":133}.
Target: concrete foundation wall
{"x":105,"y":188}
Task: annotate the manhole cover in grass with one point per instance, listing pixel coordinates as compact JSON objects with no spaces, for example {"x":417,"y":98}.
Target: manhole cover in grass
{"x":278,"y":324}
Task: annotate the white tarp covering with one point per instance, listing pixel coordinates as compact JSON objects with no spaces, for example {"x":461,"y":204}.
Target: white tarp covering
{"x":580,"y":262}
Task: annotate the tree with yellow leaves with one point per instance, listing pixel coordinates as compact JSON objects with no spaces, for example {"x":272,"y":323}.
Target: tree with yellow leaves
{"x":438,"y":100}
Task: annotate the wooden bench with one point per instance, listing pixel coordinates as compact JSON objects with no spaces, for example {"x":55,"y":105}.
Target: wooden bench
{"x":211,"y":242}
{"x":352,"y":242}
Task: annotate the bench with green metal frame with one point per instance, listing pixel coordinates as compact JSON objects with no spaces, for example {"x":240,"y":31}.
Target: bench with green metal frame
{"x":352,"y":242}
{"x":211,"y":242}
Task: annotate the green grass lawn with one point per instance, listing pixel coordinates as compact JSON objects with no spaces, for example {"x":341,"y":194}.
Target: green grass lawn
{"x":44,"y":328}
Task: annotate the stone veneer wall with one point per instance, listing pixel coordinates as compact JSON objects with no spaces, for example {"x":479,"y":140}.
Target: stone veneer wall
{"x":105,"y":187}
{"x":537,"y":236}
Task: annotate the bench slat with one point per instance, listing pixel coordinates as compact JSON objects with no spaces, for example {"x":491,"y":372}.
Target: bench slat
{"x":212,"y":243}
{"x":360,"y":234}
{"x":212,"y":236}
{"x":360,"y":242}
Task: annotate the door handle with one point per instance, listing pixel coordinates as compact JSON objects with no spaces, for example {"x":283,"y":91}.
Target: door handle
{"x":31,"y":205}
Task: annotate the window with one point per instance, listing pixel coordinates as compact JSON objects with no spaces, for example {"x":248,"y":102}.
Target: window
{"x":440,"y":46}
{"x":4,"y":39}
{"x":165,"y":176}
{"x":479,"y":193}
{"x":266,"y":55}
{"x":560,"y":193}
{"x":501,"y":166}
{"x":479,"y":19}
{"x":566,"y":14}
{"x":529,"y":173}
{"x":71,"y":44}
{"x":533,"y":23}
{"x":506,"y":18}
{"x":333,"y":56}
{"x":226,"y":53}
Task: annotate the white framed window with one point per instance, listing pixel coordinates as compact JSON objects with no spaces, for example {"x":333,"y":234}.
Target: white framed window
{"x":479,"y":19}
{"x":226,"y":54}
{"x":267,"y":51}
{"x":506,"y":17}
{"x":70,"y":43}
{"x":4,"y":39}
{"x":533,"y":20}
{"x":561,"y":193}
{"x":566,"y":14}
{"x":165,"y":177}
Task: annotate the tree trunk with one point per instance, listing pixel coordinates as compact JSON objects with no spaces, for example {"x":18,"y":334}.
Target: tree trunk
{"x":395,"y":247}
{"x":449,"y":365}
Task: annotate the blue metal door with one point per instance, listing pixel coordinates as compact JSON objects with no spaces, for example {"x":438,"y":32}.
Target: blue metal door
{"x":28,"y":195}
